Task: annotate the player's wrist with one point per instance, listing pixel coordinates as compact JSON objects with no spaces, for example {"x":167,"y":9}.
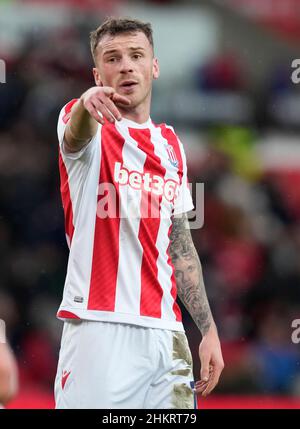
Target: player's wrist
{"x":211,"y":331}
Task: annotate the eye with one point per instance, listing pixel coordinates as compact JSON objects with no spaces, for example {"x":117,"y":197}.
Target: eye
{"x":137,"y":56}
{"x":113,"y":59}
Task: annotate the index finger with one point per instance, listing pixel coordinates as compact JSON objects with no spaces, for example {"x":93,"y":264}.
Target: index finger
{"x":205,"y":367}
{"x":213,"y":381}
{"x":113,"y":109}
{"x":117,"y":98}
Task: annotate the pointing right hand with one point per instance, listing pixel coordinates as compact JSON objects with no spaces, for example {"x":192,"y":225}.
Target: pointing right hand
{"x":103,"y":99}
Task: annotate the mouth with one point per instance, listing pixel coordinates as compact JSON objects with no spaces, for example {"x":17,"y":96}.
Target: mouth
{"x":128,"y":84}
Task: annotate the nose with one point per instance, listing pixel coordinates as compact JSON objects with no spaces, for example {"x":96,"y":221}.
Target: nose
{"x":126,"y":65}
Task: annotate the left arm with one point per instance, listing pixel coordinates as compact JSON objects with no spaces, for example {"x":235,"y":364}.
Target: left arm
{"x":8,"y":374}
{"x":191,"y":291}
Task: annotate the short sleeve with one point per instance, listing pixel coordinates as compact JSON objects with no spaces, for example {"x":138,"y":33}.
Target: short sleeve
{"x":183,"y":202}
{"x":63,"y":119}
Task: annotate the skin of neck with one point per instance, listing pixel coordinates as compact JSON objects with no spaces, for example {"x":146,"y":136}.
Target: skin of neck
{"x":139,"y":113}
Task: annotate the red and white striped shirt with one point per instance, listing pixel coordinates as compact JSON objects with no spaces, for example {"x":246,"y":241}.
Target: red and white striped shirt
{"x":119,"y":194}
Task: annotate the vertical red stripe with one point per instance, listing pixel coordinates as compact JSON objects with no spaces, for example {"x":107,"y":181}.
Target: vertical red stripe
{"x":106,"y":239}
{"x":64,"y":182}
{"x":68,"y":108}
{"x":66,"y":198}
{"x":151,"y":290}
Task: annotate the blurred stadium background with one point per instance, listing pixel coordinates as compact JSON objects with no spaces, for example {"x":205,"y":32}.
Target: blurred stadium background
{"x":226,"y":87}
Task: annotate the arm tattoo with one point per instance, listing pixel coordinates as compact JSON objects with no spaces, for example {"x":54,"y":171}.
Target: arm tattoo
{"x":188,"y":273}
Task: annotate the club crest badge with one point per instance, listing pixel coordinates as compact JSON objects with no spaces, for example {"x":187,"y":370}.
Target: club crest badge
{"x":172,"y":156}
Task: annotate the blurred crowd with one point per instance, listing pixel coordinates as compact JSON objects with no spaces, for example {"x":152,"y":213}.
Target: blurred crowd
{"x":249,"y":245}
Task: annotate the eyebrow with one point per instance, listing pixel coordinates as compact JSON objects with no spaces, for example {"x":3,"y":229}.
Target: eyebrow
{"x":113,"y":51}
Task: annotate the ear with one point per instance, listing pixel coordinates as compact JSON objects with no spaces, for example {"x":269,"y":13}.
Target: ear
{"x":97,"y":77}
{"x":155,"y":68}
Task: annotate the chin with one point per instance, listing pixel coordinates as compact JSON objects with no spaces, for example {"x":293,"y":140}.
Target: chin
{"x":133,"y":105}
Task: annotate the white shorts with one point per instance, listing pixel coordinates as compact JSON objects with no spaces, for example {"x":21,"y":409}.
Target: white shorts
{"x":114,"y":365}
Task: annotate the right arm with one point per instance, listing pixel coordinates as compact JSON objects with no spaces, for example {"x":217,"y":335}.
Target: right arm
{"x":85,"y":116}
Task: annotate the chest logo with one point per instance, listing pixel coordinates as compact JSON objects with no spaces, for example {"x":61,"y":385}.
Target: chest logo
{"x":172,"y":156}
{"x":147,"y":182}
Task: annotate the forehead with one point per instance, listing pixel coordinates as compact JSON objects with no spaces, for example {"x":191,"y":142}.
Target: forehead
{"x":123,"y":41}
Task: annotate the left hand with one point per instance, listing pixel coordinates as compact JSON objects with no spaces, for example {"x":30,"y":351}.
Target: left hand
{"x":212,"y":363}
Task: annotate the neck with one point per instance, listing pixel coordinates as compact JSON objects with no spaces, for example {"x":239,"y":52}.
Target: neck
{"x":136,"y":117}
{"x":138,"y":114}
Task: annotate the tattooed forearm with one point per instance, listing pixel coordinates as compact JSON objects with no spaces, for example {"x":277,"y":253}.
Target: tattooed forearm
{"x":188,"y":273}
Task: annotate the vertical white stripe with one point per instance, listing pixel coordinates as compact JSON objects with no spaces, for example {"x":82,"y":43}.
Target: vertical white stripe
{"x":128,"y":291}
{"x":184,"y":202}
{"x":83,"y":184}
{"x":162,"y":242}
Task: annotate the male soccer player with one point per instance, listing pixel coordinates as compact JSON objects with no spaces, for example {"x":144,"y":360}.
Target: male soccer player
{"x":125,"y":195}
